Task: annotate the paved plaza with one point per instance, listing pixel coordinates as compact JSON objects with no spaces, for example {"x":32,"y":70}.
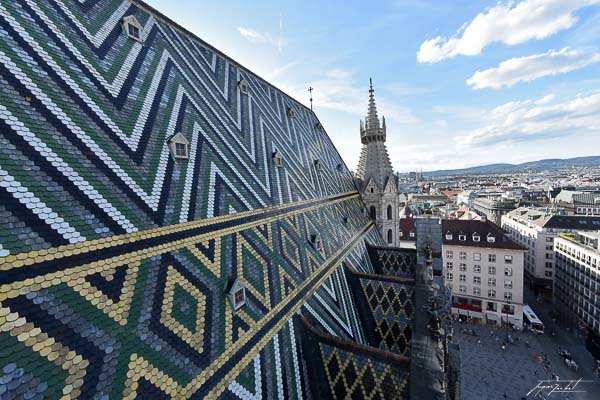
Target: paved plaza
{"x":490,"y":373}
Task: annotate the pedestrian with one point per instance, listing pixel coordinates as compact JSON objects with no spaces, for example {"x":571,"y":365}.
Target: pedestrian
{"x":503,"y":346}
{"x":535,"y":373}
{"x":479,"y":342}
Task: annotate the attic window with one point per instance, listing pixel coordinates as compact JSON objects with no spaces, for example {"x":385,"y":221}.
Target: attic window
{"x":132,"y":28}
{"x":448,"y":235}
{"x":178,"y":144}
{"x":243,"y":85}
{"x":491,"y":238}
{"x":371,"y":190}
{"x":317,"y":164}
{"x":411,"y":234}
{"x":339,"y":167}
{"x":318,"y":126}
{"x":315,"y":241}
{"x":236,"y":293}
{"x":462,"y":237}
{"x":290,"y":112}
{"x":277,"y":159}
{"x":345,"y":219}
{"x":476,"y":237}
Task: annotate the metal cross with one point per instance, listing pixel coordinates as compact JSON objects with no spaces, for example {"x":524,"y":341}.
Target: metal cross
{"x":310,"y":89}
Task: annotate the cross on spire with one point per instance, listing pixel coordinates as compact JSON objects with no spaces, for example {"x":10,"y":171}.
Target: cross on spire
{"x":310,"y":90}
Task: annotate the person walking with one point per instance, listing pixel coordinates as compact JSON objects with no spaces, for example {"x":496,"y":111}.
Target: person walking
{"x":479,"y":342}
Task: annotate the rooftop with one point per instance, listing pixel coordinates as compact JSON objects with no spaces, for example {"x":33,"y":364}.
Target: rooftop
{"x":469,"y":230}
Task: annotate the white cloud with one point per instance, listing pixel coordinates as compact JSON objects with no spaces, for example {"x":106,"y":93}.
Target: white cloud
{"x":336,"y":90}
{"x":523,"y":121}
{"x":526,"y":69}
{"x":507,"y":22}
{"x":255,"y":36}
{"x":546,"y":99}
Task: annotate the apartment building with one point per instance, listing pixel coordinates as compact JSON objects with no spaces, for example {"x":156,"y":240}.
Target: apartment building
{"x":577,"y":284}
{"x":493,"y":209}
{"x":536,"y":229}
{"x":485,"y":271}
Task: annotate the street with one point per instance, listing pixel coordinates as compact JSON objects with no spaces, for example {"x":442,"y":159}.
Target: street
{"x":489,"y":372}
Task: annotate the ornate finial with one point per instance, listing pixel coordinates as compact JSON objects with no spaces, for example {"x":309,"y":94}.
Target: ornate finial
{"x":371,"y":84}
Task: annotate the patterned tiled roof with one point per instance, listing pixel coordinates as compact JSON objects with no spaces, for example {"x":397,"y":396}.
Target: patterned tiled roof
{"x":116,"y":254}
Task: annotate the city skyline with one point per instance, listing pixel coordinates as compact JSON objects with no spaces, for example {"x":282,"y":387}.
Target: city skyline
{"x":472,"y":84}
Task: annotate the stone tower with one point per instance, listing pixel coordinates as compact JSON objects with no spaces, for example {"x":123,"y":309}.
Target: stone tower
{"x":377,"y":182}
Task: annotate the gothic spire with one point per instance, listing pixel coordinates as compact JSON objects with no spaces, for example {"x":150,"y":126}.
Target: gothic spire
{"x":372,"y":120}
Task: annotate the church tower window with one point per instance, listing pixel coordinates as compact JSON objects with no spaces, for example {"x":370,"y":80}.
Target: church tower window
{"x":389,"y":212}
{"x":373,"y":212}
{"x":390,"y":235}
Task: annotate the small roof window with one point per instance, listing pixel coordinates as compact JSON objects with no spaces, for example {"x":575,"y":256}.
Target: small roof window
{"x":476,"y":237}
{"x":315,"y":241}
{"x":448,"y":235}
{"x":290,"y":112}
{"x":243,"y":85}
{"x":132,"y":28}
{"x":317,"y":164}
{"x":179,"y":146}
{"x":235,"y":290}
{"x":277,"y":159}
{"x":491,"y":238}
{"x":462,"y":237}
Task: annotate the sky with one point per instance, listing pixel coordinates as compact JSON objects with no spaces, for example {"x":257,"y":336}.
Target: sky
{"x":461,"y":83}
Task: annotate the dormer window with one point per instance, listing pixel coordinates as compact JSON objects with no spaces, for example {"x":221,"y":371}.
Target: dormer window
{"x":411,"y":234}
{"x":476,"y":237}
{"x":448,"y":235}
{"x":345,"y":219}
{"x":339,"y":167}
{"x":318,"y":126}
{"x":462,"y":237}
{"x":315,"y":241}
{"x":277,"y":159}
{"x":491,"y":238}
{"x":178,"y":144}
{"x":317,"y":165}
{"x":243,"y":85}
{"x":290,"y":112}
{"x":132,"y":28}
{"x":236,"y":293}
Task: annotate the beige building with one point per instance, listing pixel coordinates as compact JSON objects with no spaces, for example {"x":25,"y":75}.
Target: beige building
{"x":485,"y":270}
{"x":535,"y":230}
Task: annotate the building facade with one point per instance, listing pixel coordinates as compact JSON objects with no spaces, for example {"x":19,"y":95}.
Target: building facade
{"x":577,"y":284}
{"x":376,"y":179}
{"x":485,"y":271}
{"x":536,"y":229}
{"x":493,"y":209}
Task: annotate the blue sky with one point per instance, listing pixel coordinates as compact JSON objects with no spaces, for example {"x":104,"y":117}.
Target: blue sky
{"x":461,"y":83}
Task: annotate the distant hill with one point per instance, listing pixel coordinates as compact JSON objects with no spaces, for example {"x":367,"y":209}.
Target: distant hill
{"x":533,"y":166}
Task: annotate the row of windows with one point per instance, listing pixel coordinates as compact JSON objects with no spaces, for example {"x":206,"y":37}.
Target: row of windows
{"x":491,"y":292}
{"x":508,"y":271}
{"x":476,"y":237}
{"x":477,"y":256}
{"x":508,"y":284}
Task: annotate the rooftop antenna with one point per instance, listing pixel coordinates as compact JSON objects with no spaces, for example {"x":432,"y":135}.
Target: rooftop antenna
{"x":310,"y":89}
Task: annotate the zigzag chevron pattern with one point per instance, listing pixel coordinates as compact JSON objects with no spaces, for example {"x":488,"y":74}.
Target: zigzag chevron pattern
{"x":114,"y":254}
{"x":96,"y":109}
